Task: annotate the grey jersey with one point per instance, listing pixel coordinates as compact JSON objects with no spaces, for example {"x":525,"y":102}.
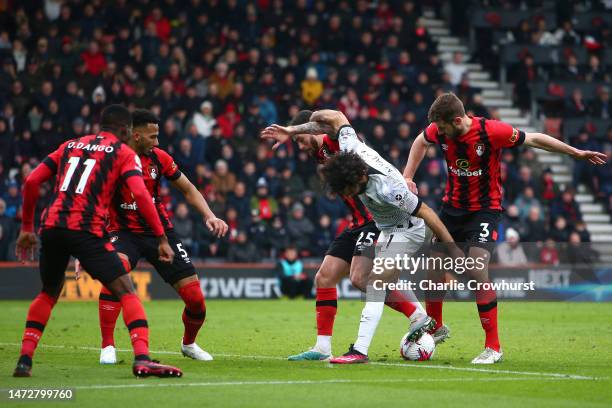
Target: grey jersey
{"x":386,"y":195}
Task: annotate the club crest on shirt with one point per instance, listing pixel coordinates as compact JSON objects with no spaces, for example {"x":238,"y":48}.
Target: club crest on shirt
{"x":444,"y":146}
{"x":153,"y":172}
{"x":480,"y":148}
{"x":515,"y":136}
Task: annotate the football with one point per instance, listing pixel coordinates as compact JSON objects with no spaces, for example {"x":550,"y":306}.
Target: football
{"x":420,"y":350}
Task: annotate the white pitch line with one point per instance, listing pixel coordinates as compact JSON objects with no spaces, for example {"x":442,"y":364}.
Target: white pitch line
{"x":307,"y":382}
{"x":407,"y":365}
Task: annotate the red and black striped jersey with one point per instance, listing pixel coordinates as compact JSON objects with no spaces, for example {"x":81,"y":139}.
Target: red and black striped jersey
{"x":473,"y":161}
{"x":124,"y":214}
{"x":360,"y":213}
{"x":88,"y":170}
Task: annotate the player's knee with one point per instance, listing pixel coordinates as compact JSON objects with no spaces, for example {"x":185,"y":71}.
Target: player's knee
{"x":326,"y":278}
{"x":358,"y":281}
{"x":121,"y":286}
{"x":193,"y":297}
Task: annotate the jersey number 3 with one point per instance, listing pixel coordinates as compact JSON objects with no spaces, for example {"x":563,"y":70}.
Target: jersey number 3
{"x":73,"y":163}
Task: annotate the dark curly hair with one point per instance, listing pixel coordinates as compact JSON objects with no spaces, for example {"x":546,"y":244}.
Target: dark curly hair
{"x":344,"y":170}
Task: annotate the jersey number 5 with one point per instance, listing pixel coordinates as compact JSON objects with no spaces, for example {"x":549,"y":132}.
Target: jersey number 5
{"x":73,"y":163}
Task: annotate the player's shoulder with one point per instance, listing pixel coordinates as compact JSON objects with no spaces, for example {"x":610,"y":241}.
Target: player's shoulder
{"x":161,"y":154}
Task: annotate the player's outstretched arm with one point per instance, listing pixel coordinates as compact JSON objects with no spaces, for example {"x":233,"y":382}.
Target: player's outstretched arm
{"x":415,"y":157}
{"x":324,"y":121}
{"x":549,"y":143}
{"x":437,"y":226}
{"x":193,"y":197}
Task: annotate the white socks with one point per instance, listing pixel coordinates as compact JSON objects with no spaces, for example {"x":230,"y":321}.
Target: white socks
{"x":323,"y":344}
{"x":370,"y":316}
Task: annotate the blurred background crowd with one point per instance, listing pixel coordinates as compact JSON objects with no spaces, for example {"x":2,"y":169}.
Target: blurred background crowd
{"x":217,"y":72}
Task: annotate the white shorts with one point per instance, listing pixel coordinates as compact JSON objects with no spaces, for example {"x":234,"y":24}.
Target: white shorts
{"x":401,"y":240}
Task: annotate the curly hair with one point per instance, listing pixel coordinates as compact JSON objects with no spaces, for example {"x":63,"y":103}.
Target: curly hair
{"x":344,"y":170}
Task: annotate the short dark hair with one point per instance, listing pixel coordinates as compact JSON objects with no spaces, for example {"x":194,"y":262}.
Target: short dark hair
{"x":445,"y":108}
{"x":114,"y":116}
{"x":345,"y":169}
{"x":142,"y":117}
{"x":301,"y":117}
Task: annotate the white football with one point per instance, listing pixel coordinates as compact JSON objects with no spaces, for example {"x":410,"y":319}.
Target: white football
{"x":420,"y":350}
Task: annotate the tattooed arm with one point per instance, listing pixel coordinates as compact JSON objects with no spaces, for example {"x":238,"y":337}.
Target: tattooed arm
{"x":324,"y":121}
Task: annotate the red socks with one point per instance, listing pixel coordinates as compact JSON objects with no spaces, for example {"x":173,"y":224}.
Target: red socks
{"x":109,"y":308}
{"x":486,"y":301}
{"x":38,"y":315}
{"x":136,"y":322}
{"x":327,"y":305}
{"x":396,"y":300}
{"x":434,"y":310}
{"x":194,"y":313}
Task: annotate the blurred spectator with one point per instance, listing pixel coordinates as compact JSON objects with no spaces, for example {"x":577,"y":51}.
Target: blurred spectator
{"x":242,"y":249}
{"x":184,"y":226}
{"x":278,"y":236}
{"x":456,"y":68}
{"x":526,"y":201}
{"x":601,"y":107}
{"x":300,"y":228}
{"x":265,"y":205}
{"x":560,"y":230}
{"x":293,"y":280}
{"x":223,"y":180}
{"x":204,"y":119}
{"x":7,"y":232}
{"x":567,"y":207}
{"x":549,"y":254}
{"x":312,"y":87}
{"x":511,"y":251}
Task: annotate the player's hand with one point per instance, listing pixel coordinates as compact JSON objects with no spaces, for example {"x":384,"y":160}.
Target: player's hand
{"x":166,"y":254}
{"x":280,"y":134}
{"x":217,"y":226}
{"x":26,"y":244}
{"x":592,"y":157}
{"x":412,"y":186}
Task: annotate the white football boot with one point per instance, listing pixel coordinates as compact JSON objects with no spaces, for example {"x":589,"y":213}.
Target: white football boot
{"x":489,"y":356}
{"x":194,"y":351}
{"x":108,"y":355}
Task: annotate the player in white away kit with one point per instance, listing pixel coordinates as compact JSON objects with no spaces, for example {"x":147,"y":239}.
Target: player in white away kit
{"x":398,"y":213}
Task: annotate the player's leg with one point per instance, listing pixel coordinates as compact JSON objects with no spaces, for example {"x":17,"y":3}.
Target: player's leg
{"x":53,"y":262}
{"x":393,"y":242}
{"x":484,"y":225}
{"x":101,"y":261}
{"x":334,"y":267}
{"x":109,"y":305}
{"x":182,"y":276}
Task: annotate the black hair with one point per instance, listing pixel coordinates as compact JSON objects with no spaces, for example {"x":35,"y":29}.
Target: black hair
{"x":142,"y":117}
{"x":344,"y":170}
{"x":115,"y":116}
{"x":301,"y":117}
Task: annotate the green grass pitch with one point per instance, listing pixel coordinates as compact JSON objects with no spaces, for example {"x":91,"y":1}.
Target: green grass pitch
{"x":556,"y":355}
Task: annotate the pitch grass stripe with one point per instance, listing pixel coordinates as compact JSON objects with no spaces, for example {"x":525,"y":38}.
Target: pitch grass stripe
{"x":309,"y":382}
{"x":430,"y":366}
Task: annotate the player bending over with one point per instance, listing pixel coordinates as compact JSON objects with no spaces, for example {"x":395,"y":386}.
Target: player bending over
{"x":87,"y":171}
{"x":359,"y":170}
{"x":472,"y":201}
{"x":133,"y":239}
{"x":349,"y":253}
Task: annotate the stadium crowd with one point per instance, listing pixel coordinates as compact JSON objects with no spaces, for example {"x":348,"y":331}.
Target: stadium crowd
{"x":216,"y":73}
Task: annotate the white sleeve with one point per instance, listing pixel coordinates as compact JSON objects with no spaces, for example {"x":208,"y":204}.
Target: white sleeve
{"x":348,"y":139}
{"x":398,"y":195}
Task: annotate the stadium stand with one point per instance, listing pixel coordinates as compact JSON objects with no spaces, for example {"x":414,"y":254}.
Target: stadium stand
{"x":218,"y":72}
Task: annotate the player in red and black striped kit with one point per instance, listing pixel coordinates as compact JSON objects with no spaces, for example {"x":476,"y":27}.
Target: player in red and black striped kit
{"x":87,"y":171}
{"x":134,"y":239}
{"x":472,"y":201}
{"x":350,"y":254}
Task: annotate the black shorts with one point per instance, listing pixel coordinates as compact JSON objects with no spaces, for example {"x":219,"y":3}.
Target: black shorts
{"x":477,"y":228}
{"x":137,"y":246}
{"x":97,"y":256}
{"x":357,"y":241}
